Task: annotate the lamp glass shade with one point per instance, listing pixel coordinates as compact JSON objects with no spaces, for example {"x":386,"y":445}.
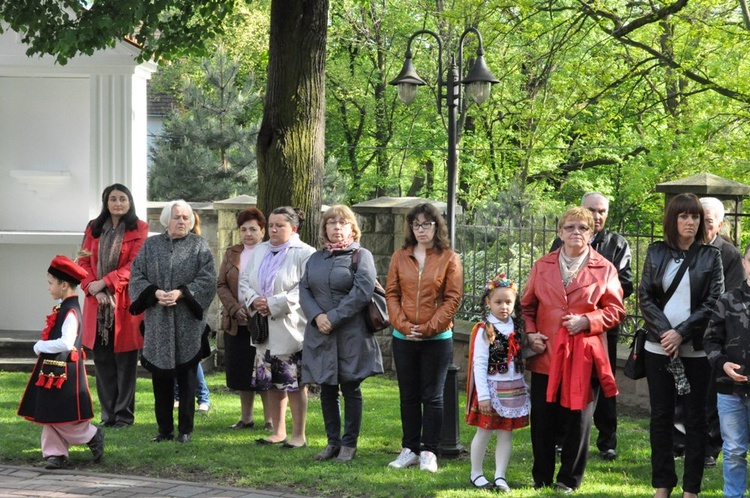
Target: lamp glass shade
{"x":407,"y":92}
{"x":479,"y":91}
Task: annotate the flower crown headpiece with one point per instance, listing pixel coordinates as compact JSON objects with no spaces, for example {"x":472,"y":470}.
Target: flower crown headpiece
{"x":500,"y":281}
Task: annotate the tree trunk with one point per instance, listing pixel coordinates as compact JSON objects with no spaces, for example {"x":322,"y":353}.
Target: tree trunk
{"x":291,"y":142}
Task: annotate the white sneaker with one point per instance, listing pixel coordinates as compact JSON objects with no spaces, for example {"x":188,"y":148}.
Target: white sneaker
{"x":407,"y":458}
{"x":428,"y":461}
{"x":203,"y":408}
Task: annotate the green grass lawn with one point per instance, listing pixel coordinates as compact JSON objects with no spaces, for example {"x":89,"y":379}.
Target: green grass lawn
{"x":219,"y":455}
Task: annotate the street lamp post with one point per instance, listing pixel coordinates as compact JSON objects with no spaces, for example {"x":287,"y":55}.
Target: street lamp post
{"x":478,"y":83}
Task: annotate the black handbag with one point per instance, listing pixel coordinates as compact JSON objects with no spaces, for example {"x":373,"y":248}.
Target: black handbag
{"x":376,"y":311}
{"x":635,"y":365}
{"x":258,"y":325}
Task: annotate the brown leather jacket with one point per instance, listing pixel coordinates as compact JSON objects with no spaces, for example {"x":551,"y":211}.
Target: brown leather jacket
{"x":431,"y":298}
{"x":229,"y":274}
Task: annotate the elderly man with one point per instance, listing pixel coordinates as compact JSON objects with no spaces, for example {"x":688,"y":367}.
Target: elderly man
{"x":616,"y":250}
{"x":731,"y":260}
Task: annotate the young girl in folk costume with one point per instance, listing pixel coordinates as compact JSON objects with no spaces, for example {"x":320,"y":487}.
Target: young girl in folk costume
{"x":57,"y":394}
{"x":497,"y":397}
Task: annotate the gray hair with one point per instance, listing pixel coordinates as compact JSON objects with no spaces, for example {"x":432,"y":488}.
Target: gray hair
{"x":713,"y":204}
{"x":590,"y":194}
{"x":166,"y":212}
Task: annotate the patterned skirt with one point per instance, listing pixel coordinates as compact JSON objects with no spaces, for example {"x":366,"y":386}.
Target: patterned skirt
{"x":280,"y":372}
{"x":510,"y":400}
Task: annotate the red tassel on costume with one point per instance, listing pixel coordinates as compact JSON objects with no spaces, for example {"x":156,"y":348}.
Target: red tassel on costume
{"x":50,"y":381}
{"x":59,"y":382}
{"x":83,"y":353}
{"x":73,"y":355}
{"x":41,"y":380}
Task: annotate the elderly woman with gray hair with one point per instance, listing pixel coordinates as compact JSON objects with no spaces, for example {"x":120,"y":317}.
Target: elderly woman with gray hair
{"x":173,"y":281}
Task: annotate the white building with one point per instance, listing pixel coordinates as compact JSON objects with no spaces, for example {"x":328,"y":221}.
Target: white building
{"x":66,"y":132}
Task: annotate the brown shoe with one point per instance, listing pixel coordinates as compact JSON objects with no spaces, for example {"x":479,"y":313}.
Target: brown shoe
{"x":328,"y":452}
{"x":346,"y":454}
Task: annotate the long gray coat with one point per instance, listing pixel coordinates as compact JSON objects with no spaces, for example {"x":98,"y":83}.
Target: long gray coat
{"x":350,"y":352}
{"x":173,"y":333}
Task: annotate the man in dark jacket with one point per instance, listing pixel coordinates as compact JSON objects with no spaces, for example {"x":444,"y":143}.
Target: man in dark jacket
{"x":731,"y":260}
{"x":616,"y":250}
{"x":726,"y":343}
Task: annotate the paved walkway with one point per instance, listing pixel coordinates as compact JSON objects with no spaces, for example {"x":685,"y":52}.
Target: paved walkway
{"x":30,"y":481}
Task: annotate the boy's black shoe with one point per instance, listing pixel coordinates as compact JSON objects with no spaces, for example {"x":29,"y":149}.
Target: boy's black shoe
{"x":96,"y":445}
{"x":56,"y":462}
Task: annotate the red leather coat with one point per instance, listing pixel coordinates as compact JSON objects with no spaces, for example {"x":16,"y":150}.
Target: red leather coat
{"x":127,"y":327}
{"x":595,"y":292}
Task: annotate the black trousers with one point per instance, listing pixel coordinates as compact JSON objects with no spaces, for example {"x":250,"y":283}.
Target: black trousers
{"x":329,"y":402}
{"x":662,"y":395}
{"x":115,"y":382}
{"x":187,"y":380}
{"x":605,"y":414}
{"x":576,"y":427}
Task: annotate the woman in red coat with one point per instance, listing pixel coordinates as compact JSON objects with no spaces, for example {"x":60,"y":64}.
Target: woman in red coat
{"x":110,"y":245}
{"x":572,"y":296}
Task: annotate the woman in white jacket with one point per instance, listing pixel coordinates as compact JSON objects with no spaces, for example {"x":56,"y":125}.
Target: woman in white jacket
{"x":270,"y":286}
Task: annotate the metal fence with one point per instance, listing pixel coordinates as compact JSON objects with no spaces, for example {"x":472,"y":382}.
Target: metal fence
{"x":513,"y":248}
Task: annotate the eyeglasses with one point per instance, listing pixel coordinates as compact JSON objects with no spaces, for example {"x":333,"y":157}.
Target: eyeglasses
{"x":424,"y":226}
{"x":576,"y":228}
{"x":333,"y":223}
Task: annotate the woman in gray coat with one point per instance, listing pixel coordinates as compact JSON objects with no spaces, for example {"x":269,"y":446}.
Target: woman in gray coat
{"x":339,"y":352}
{"x":173,"y":280}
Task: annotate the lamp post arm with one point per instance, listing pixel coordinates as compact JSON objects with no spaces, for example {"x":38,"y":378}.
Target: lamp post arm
{"x":480,"y":51}
{"x":440,"y":82}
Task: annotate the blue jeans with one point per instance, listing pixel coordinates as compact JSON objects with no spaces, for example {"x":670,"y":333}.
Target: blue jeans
{"x":734,"y":418}
{"x":421,"y":368}
{"x":201,"y":391}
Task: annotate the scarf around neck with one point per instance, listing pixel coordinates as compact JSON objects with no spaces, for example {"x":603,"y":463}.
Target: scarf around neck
{"x":271,"y":263}
{"x":110,"y":243}
{"x":339,"y":246}
{"x":571,"y":266}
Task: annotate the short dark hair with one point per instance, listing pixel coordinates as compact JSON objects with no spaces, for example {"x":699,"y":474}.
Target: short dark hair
{"x":249,"y":214}
{"x":682,"y":203}
{"x":130,"y":218}
{"x":431,"y":213}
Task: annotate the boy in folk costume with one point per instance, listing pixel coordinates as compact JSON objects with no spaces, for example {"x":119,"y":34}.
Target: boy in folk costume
{"x":57,"y":394}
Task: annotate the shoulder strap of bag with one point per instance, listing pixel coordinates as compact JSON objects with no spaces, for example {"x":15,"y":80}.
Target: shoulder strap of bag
{"x":355,"y":253}
{"x":681,"y":272}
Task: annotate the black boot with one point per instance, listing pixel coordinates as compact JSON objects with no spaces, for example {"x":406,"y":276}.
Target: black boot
{"x":96,"y":445}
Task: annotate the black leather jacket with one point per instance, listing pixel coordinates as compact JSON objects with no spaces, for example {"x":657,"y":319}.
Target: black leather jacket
{"x":706,"y":285}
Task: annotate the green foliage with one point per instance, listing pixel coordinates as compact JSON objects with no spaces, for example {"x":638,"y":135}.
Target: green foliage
{"x":206,"y":151}
{"x":579,"y":107}
{"x":164,"y":28}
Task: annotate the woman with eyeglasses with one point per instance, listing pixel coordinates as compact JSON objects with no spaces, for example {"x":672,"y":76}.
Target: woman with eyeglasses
{"x":423,"y":292}
{"x":676,"y":317}
{"x":572,"y":296}
{"x":338,"y":351}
